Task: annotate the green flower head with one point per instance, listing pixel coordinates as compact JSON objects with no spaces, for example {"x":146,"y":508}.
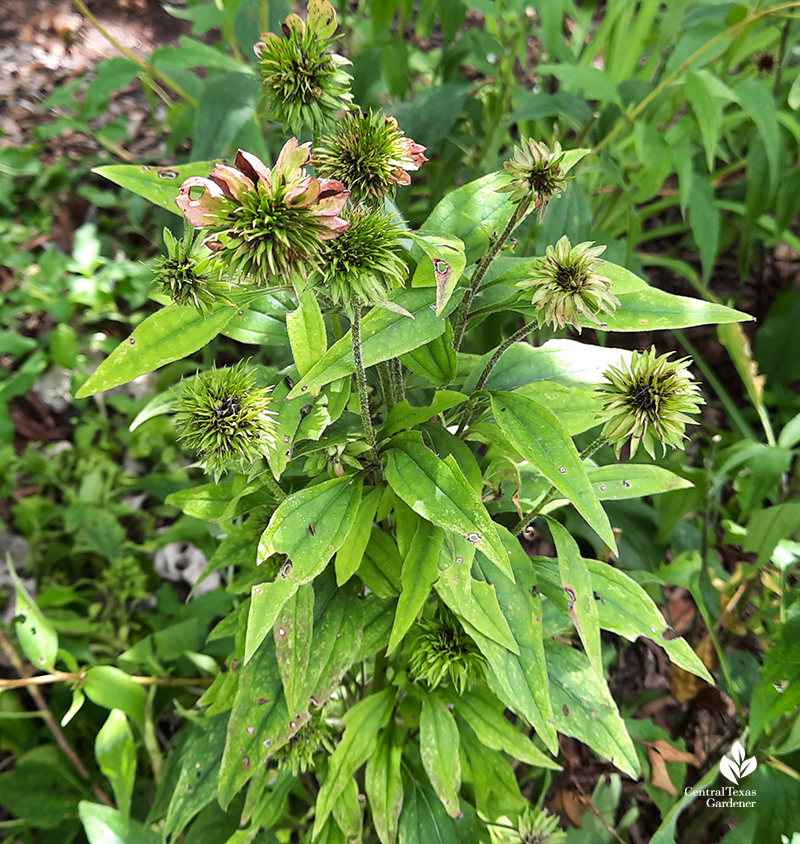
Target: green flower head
{"x":186,"y":274}
{"x":536,"y":175}
{"x":370,"y":155}
{"x":649,"y":401}
{"x":567,"y":285}
{"x":305,"y":82}
{"x":225,"y":419}
{"x":315,"y":736}
{"x":263,"y":222}
{"x":363,"y":265}
{"x":535,"y":826}
{"x":441,"y":649}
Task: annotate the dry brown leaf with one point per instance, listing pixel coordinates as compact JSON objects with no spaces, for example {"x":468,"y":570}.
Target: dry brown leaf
{"x":660,"y":777}
{"x":685,"y":685}
{"x":672,"y":754}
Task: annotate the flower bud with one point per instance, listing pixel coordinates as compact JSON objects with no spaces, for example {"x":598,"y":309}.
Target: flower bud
{"x":649,"y":401}
{"x":536,"y":175}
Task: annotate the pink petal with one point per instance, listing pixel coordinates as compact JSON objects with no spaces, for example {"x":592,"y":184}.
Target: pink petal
{"x":253,"y":167}
{"x":292,"y":158}
{"x":206,"y":210}
{"x":401,"y":177}
{"x":266,"y":36}
{"x":233,"y":182}
{"x":304,"y":193}
{"x":332,"y":198}
{"x":336,"y":226}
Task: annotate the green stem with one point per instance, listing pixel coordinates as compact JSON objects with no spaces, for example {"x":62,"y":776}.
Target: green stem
{"x":153,"y":71}
{"x":361,"y":385}
{"x":385,"y":373}
{"x":551,"y":493}
{"x":399,"y":380}
{"x":263,"y":14}
{"x":379,"y":672}
{"x":495,"y":245}
{"x":273,"y":487}
{"x":481,"y":382}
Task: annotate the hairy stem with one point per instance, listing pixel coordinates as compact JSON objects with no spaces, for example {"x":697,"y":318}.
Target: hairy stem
{"x":361,"y":385}
{"x":481,"y":382}
{"x":273,"y":486}
{"x":386,"y":371}
{"x":495,"y":245}
{"x":399,"y":380}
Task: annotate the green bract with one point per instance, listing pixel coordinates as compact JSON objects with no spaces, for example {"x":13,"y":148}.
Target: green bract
{"x":651,"y":400}
{"x":364,"y":263}
{"x":567,"y":285}
{"x":370,"y":155}
{"x":225,"y":419}
{"x":305,"y":82}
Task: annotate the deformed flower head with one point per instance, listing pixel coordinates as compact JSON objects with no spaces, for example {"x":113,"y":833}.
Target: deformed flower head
{"x":370,"y":155}
{"x":263,"y":222}
{"x":537,"y":175}
{"x":442,"y":649}
{"x":185,"y":274}
{"x":649,"y":401}
{"x":363,"y":265}
{"x":305,"y":82}
{"x":567,"y":285}
{"x":312,"y":738}
{"x":225,"y":419}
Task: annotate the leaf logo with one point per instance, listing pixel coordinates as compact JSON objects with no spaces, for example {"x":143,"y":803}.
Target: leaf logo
{"x":738,"y":767}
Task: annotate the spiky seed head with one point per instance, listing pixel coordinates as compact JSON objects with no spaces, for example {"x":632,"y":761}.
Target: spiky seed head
{"x":568,"y":285}
{"x":225,"y":419}
{"x":442,"y":650}
{"x":651,"y":400}
{"x":534,"y":826}
{"x":364,"y":264}
{"x":315,"y":736}
{"x":186,"y":275}
{"x":536,"y":175}
{"x":305,"y":82}
{"x":370,"y":155}
{"x":262,"y":222}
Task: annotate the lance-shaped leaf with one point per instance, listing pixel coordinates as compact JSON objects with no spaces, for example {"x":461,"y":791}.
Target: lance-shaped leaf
{"x":540,"y":438}
{"x":293,"y":631}
{"x":37,"y":636}
{"x":438,"y":745}
{"x":309,"y":527}
{"x":306,"y":332}
{"x":362,"y":722}
{"x":170,"y":334}
{"x":116,"y":755}
{"x":405,"y":415}
{"x":438,"y":491}
{"x":445,"y":261}
{"x":576,"y":583}
{"x":350,"y":555}
{"x":420,"y":571}
{"x":436,"y":361}
{"x":583,"y":707}
{"x":385,"y":335}
{"x":383,"y":783}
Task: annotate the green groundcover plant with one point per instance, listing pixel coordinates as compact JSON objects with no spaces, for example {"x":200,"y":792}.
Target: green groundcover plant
{"x":393,"y":657}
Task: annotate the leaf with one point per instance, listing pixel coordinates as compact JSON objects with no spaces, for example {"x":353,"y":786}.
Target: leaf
{"x":494,"y":730}
{"x":519,"y":681}
{"x":385,"y":335}
{"x":738,"y":345}
{"x":576,"y":583}
{"x":539,"y":437}
{"x":404,"y":415}
{"x":37,"y":636}
{"x":758,"y":103}
{"x":420,"y":571}
{"x":424,"y":819}
{"x":383,"y":783}
{"x":769,"y":526}
{"x":472,"y":213}
{"x":159,"y":185}
{"x":473,"y":601}
{"x":111,"y":688}
{"x":116,"y":755}
{"x":707,"y":109}
{"x":293,"y":632}
{"x":170,"y":334}
{"x":362,"y":722}
{"x":159,"y":405}
{"x":307,"y":335}
{"x":438,"y":491}
{"x":435,"y":361}
{"x":442,"y":267}
{"x":583,"y":707}
{"x":104,"y":825}
{"x":624,"y":608}
{"x":705,"y":221}
{"x":381,"y":565}
{"x":259,"y":324}
{"x":197,"y":782}
{"x":216,"y":502}
{"x":438,"y":745}
{"x":349,"y":556}
{"x":330,"y":509}
{"x":194,"y":53}
{"x":593,"y":83}
{"x":321,"y":18}
{"x":665,"y":834}
{"x":226,"y":106}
